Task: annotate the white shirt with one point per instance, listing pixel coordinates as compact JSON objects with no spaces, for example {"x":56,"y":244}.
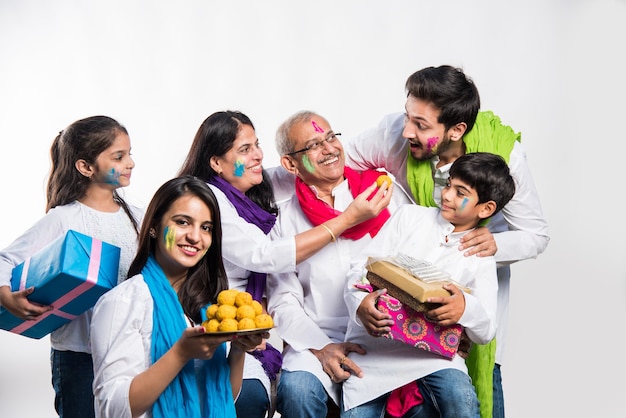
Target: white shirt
{"x":121,"y":339}
{"x":307,"y":306}
{"x":121,"y":335}
{"x":246,"y":248}
{"x":114,"y":228}
{"x":520,"y":229}
{"x":421,"y":233}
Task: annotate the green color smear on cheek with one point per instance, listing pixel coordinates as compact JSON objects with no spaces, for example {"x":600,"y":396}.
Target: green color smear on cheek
{"x":239,"y":168}
{"x":169,"y":235}
{"x":307,"y":164}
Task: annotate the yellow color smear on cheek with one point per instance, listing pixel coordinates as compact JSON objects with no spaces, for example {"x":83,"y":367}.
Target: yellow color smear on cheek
{"x":169,"y":235}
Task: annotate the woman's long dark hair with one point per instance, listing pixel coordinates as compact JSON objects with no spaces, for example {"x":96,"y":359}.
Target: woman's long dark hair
{"x":207,"y":278}
{"x":215,"y":137}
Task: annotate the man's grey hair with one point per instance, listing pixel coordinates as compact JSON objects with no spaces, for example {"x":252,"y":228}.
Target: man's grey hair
{"x":284,"y":144}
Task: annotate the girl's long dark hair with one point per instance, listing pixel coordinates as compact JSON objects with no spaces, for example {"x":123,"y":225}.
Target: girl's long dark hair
{"x":207,"y":278}
{"x":84,"y":139}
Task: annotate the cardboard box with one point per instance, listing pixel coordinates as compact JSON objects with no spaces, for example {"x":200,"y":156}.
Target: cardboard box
{"x":404,"y":285}
{"x":70,"y":274}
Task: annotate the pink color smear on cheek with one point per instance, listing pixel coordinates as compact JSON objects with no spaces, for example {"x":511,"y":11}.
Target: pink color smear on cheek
{"x":432,"y":142}
{"x":316,"y":126}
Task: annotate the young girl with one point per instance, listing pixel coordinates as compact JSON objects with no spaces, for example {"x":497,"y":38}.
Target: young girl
{"x":90,"y":161}
{"x":144,"y":331}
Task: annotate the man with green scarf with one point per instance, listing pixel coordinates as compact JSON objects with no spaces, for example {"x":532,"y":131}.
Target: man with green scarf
{"x":442,"y":122}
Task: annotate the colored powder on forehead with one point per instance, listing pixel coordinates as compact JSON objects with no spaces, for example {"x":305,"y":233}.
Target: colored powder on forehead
{"x":464,"y":203}
{"x":316,"y":127}
{"x":432,"y":142}
{"x":307,"y":164}
{"x":112,"y":177}
{"x":239,"y":168}
{"x":169,"y":236}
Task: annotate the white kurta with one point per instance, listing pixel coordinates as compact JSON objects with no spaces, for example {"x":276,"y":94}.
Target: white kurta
{"x":246,"y":248}
{"x":421,"y":233}
{"x":307,"y":306}
{"x":121,"y":338}
{"x":114,"y":228}
{"x":520,"y":229}
{"x":121,"y":335}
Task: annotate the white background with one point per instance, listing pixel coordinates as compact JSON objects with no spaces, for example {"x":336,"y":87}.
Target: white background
{"x":550,"y":69}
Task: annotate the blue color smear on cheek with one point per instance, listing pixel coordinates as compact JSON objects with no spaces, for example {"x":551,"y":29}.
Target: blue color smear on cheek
{"x":239,"y":168}
{"x":112,"y":177}
{"x":464,"y":203}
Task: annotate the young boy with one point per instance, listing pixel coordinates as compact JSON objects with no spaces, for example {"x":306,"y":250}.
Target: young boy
{"x":479,"y":186}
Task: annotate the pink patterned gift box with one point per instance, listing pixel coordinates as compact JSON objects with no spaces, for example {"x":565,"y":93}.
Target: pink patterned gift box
{"x":414,"y":328}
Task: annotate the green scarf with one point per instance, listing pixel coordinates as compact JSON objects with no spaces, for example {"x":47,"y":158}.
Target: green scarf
{"x":487,"y":135}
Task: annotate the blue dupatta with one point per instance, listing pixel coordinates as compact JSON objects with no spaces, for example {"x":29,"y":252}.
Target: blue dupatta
{"x":180,"y":398}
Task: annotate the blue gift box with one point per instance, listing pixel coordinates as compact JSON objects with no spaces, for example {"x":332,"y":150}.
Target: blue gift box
{"x":70,"y":274}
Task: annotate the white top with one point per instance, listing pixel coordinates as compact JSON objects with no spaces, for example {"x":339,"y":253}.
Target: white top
{"x":307,"y":306}
{"x":246,"y":248}
{"x":520,"y":229}
{"x":114,"y":228}
{"x":419,"y":232}
{"x":122,"y":337}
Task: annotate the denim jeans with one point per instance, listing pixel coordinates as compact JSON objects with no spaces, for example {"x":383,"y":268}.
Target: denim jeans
{"x":252,"y":401}
{"x":300,"y":395}
{"x":373,"y":409}
{"x":449,"y":393}
{"x":72,"y":379}
{"x":498,"y":394}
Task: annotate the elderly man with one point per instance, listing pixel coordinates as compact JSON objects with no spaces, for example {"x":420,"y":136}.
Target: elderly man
{"x":308,"y":306}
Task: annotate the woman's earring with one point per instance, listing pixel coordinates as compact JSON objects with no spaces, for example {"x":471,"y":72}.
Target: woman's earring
{"x":152,"y":233}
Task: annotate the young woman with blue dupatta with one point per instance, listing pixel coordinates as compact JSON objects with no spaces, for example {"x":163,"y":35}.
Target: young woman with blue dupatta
{"x":151,"y":356}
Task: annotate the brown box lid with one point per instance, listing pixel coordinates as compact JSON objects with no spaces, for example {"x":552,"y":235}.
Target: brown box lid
{"x":405,"y":286}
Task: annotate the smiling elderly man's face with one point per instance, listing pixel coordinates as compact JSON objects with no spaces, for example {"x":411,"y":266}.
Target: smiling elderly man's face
{"x":320,"y":160}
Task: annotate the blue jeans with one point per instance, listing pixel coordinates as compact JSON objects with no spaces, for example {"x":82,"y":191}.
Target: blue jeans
{"x":447,"y":393}
{"x":301,"y":395}
{"x":373,"y":409}
{"x":450,"y":394}
{"x":252,"y":401}
{"x":498,"y":394}
{"x":72,"y":379}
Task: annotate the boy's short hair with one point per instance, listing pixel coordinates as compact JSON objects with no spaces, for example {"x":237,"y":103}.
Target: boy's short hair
{"x":486,"y":173}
